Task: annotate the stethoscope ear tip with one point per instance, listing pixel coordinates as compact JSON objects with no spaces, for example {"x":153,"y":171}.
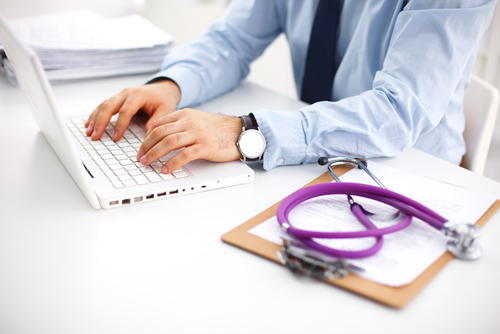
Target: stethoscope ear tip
{"x":323,"y":161}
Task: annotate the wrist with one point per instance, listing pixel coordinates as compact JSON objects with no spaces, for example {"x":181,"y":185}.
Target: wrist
{"x":170,"y":87}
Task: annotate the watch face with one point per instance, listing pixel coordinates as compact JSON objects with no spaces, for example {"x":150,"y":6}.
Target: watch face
{"x":252,"y":144}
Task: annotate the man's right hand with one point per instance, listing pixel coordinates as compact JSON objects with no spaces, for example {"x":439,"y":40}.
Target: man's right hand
{"x":156,"y":100}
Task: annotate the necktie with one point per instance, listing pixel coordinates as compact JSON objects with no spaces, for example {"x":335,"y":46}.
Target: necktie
{"x":319,"y":70}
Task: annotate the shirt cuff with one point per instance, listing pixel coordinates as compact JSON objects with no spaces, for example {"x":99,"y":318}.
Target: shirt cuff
{"x":285,"y":139}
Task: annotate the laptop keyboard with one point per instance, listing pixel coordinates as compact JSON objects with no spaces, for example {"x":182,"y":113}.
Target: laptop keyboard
{"x":117,"y":160}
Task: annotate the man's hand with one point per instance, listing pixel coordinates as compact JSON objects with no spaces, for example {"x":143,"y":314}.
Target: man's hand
{"x":157,"y":99}
{"x":202,"y":135}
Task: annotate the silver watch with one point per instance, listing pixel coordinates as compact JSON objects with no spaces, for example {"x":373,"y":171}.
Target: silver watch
{"x":251,"y":143}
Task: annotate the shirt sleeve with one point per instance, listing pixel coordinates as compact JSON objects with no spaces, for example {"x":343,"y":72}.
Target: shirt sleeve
{"x":217,"y":61}
{"x":432,"y":46}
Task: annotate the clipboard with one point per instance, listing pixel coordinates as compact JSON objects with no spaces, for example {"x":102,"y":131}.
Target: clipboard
{"x":395,"y":297}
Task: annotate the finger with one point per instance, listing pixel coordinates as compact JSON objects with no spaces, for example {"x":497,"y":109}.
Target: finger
{"x":90,"y":123}
{"x":159,"y":113}
{"x":87,"y":122}
{"x":166,"y":119}
{"x":106,"y":110}
{"x":129,"y":108}
{"x":173,"y":141}
{"x":185,"y":156}
{"x":154,"y":136}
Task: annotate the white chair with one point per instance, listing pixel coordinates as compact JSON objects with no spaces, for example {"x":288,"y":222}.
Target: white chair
{"x":480,"y":107}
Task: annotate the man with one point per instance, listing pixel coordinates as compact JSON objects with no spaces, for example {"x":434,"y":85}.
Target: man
{"x":395,"y":74}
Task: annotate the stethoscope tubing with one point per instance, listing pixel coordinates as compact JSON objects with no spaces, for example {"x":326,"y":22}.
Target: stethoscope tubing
{"x":379,"y":241}
{"x":410,"y":207}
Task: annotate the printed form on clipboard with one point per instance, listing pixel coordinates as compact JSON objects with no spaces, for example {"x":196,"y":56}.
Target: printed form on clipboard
{"x":406,"y":254}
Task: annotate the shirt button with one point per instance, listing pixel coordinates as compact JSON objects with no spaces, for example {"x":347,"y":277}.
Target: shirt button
{"x":280,"y":161}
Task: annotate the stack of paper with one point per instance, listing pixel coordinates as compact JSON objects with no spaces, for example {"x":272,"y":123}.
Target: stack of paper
{"x":82,"y":44}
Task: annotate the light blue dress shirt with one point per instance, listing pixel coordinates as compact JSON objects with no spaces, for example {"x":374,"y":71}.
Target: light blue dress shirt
{"x":401,"y":75}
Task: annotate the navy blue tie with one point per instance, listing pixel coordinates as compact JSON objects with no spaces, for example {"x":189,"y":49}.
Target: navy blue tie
{"x":320,"y":68}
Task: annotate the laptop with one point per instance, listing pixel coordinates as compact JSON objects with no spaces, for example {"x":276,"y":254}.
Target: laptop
{"x":107,"y":172}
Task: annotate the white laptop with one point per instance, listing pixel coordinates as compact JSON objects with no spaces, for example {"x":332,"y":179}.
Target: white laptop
{"x":106,"y":171}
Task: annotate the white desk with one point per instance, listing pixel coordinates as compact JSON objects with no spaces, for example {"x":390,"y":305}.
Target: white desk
{"x":160,"y":267}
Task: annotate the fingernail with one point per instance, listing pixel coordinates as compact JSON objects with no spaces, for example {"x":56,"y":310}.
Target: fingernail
{"x":144,"y":160}
{"x":164,"y":170}
{"x":114,"y":136}
{"x":94,"y":133}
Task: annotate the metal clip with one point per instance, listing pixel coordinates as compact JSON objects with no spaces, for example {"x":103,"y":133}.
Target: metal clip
{"x":309,"y":263}
{"x":464,"y":243}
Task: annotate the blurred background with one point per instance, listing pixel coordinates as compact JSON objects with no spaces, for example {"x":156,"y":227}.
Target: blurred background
{"x":187,"y":19}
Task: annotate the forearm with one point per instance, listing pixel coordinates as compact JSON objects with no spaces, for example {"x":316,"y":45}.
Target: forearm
{"x":362,"y":126}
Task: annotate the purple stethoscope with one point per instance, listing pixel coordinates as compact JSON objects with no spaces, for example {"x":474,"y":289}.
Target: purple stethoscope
{"x":304,"y":256}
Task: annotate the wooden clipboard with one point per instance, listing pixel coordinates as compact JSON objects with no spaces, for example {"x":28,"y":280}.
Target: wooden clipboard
{"x":396,"y":297}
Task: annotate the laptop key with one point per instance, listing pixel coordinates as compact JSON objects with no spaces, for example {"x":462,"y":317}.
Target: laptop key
{"x":135,"y":172}
{"x":109,"y":173}
{"x":114,"y":179}
{"x":129,"y":183}
{"x":167,"y":177}
{"x":131,"y":154}
{"x":125,"y":177}
{"x":130,"y":167}
{"x":115,"y":166}
{"x":180,"y":174}
{"x":153,"y":177}
{"x":141,"y":179}
{"x":126,"y":162}
{"x":118,"y":185}
{"x":120,"y":171}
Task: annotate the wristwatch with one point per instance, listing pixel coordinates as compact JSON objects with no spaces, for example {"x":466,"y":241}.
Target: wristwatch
{"x":251,"y":143}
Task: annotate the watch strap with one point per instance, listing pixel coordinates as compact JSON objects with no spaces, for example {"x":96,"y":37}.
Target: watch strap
{"x":249,"y":122}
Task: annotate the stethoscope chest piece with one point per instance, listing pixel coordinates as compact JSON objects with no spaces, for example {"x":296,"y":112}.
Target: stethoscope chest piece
{"x":463,"y":243}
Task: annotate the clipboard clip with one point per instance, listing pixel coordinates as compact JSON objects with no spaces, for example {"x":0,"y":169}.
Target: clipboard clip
{"x":463,"y":240}
{"x":308,"y":263}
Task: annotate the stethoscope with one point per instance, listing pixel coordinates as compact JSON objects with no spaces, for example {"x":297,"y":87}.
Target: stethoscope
{"x":463,"y":236}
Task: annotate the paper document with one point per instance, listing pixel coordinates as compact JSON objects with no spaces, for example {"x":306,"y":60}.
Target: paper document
{"x":405,"y":254}
{"x":84,"y":30}
{"x":81,"y":44}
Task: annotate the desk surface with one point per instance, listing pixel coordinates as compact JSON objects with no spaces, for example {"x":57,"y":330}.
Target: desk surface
{"x":160,"y":267}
